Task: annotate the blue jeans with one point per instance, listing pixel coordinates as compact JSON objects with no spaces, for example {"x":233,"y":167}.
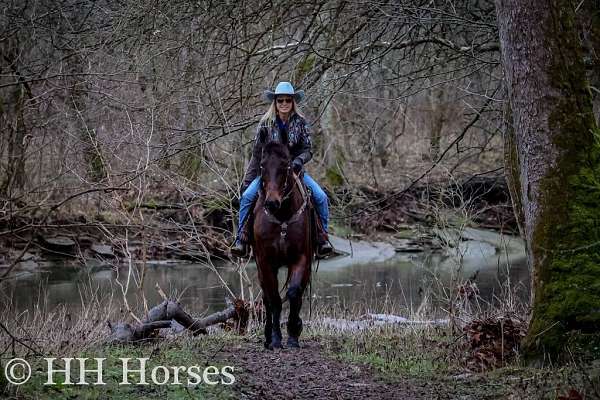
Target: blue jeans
{"x":319,"y":197}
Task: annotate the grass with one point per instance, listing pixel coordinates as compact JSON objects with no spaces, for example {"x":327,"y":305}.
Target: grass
{"x":430,"y":358}
{"x":394,"y":351}
{"x":184,"y":351}
{"x":44,"y":332}
{"x":425,"y":358}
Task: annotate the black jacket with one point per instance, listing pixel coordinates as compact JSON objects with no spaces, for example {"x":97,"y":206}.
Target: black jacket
{"x":299,"y":142}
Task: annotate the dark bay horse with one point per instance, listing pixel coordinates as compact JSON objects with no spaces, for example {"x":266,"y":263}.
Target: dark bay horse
{"x":282,"y":238}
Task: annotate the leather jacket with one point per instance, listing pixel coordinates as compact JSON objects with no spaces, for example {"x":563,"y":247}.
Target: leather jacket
{"x":299,"y":142}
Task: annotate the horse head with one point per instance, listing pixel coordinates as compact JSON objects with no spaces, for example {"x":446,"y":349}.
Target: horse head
{"x":276,"y":173}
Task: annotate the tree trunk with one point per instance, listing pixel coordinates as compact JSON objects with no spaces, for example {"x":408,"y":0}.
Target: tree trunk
{"x":559,"y":155}
{"x":512,"y":171}
{"x":15,"y":165}
{"x":12,"y":126}
{"x":438,"y":106}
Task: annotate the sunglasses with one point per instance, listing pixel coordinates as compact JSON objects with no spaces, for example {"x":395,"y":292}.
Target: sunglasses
{"x":285,"y":100}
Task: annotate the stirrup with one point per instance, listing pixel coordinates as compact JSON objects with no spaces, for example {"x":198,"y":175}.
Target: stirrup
{"x":323,"y":249}
{"x":240,"y":250}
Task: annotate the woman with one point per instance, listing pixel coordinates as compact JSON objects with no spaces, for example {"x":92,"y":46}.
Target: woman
{"x":281,"y":117}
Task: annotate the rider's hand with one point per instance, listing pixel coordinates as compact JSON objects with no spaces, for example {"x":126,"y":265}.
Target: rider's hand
{"x":297,"y":165}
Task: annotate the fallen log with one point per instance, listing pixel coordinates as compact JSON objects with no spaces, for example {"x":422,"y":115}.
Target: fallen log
{"x":122,"y":332}
{"x":162,"y":315}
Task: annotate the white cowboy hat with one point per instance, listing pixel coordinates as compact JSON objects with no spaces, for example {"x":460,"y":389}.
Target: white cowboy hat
{"x":287,"y":89}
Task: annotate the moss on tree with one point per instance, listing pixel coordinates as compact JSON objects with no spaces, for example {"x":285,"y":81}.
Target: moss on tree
{"x":566,"y":236}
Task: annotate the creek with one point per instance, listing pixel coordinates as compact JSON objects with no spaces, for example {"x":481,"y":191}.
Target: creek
{"x":373,"y":276}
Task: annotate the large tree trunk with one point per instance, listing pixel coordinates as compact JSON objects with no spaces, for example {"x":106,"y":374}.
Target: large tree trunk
{"x":559,"y":155}
{"x":512,"y":171}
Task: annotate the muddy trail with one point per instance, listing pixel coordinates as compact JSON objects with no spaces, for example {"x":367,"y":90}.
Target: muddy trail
{"x":312,"y":373}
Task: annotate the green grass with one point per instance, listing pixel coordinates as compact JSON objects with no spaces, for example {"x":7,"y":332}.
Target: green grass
{"x":410,"y":366}
{"x":186,"y":352}
{"x":393,"y":353}
{"x":423,"y":359}
{"x":434,"y":361}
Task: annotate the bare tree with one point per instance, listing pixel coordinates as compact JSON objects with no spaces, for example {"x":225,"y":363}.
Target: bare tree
{"x":161,"y":100}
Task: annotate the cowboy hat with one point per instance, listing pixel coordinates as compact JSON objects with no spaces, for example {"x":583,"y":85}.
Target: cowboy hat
{"x":287,"y":89}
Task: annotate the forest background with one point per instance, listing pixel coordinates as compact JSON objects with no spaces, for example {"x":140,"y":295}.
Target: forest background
{"x":110,"y":106}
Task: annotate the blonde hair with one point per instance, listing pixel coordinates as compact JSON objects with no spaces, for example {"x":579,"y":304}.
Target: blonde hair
{"x":268,"y":119}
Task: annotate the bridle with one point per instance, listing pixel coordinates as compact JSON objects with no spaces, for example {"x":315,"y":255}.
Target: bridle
{"x":294,"y":218}
{"x":285,"y":183}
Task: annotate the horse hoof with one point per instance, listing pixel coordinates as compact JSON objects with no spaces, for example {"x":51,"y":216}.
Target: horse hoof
{"x":276,"y":345}
{"x":268,"y":346}
{"x":293,"y":342}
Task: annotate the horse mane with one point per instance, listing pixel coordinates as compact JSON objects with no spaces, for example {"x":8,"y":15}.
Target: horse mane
{"x":277,"y":149}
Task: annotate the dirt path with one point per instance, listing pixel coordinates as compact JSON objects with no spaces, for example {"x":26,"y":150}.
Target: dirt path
{"x":307,"y":373}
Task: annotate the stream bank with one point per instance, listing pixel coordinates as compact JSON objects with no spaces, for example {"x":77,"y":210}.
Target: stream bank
{"x":167,"y":229}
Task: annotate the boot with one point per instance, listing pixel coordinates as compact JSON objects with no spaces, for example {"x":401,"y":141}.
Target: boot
{"x":324,"y":248}
{"x":239,"y":249}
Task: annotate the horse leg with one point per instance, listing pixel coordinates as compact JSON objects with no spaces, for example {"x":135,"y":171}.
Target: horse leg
{"x":300,"y":275}
{"x":276,"y":313}
{"x":294,"y":325}
{"x":272,"y":302}
{"x":268,"y":322}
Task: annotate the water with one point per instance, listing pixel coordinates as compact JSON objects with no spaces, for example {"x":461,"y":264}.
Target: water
{"x":371,"y":277}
